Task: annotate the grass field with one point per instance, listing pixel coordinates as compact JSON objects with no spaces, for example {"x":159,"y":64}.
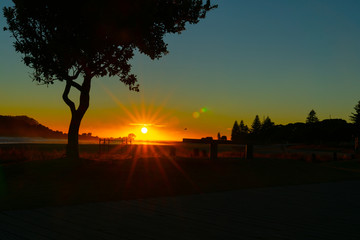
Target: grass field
{"x":142,"y":172}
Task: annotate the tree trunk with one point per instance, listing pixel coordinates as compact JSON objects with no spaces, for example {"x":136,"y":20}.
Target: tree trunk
{"x":72,"y":148}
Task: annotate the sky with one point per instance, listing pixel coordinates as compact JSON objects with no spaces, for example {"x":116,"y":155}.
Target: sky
{"x":274,"y":58}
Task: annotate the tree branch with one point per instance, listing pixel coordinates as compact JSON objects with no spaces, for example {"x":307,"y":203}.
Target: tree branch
{"x":66,"y":98}
{"x":76,"y":85}
{"x":76,"y":75}
{"x":85,"y":95}
{"x":71,"y":79}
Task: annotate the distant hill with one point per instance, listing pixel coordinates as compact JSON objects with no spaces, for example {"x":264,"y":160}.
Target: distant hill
{"x":24,"y":126}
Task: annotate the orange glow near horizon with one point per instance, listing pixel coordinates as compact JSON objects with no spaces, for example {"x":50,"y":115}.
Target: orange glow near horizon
{"x":139,"y":119}
{"x":121,"y":118}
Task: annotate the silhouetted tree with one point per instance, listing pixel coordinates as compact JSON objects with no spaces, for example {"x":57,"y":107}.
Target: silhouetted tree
{"x":66,"y":40}
{"x":267,"y":124}
{"x":334,"y":130}
{"x":256,"y":125}
{"x":235,"y":132}
{"x":327,"y":131}
{"x":267,"y":130}
{"x":243,"y":128}
{"x":312,"y":118}
{"x":131,"y":137}
{"x":355,"y":118}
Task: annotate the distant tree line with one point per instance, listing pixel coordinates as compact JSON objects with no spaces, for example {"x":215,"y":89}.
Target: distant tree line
{"x":313,"y":131}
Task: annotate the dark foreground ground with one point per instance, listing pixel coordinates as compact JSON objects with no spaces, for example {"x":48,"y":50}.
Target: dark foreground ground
{"x":56,"y":182}
{"x":179,"y":198}
{"x":311,"y":212}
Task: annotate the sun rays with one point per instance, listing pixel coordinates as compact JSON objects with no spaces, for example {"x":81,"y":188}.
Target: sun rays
{"x":146,"y":121}
{"x":143,"y":155}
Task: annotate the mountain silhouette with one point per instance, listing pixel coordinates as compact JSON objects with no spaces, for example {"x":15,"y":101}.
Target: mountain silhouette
{"x":24,"y":126}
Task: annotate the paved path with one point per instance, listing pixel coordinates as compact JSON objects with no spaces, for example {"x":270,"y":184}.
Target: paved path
{"x":317,"y":211}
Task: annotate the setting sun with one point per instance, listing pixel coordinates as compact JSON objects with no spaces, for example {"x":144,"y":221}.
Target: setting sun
{"x":144,"y":130}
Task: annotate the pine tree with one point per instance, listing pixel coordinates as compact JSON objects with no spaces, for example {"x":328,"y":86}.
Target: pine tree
{"x":355,"y":118}
{"x":235,"y":133}
{"x":312,"y":118}
{"x":267,"y":124}
{"x":243,"y":128}
{"x":256,"y":125}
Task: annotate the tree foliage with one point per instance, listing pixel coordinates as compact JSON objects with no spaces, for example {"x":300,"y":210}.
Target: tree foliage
{"x":312,"y":118}
{"x":355,"y":118}
{"x":235,"y":132}
{"x":327,"y":131}
{"x":65,"y":40}
{"x":243,"y":128}
{"x":239,"y":132}
{"x":256,"y":125}
{"x":333,"y":131}
{"x":267,"y":124}
{"x":61,"y":40}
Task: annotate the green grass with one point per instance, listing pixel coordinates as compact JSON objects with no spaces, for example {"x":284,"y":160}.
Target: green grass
{"x":62,"y":181}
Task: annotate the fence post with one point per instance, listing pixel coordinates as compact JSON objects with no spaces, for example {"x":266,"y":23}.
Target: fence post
{"x":249,"y":151}
{"x":172,"y":152}
{"x":213,"y":150}
{"x":313,"y":157}
{"x":335,"y":156}
{"x":196,"y":152}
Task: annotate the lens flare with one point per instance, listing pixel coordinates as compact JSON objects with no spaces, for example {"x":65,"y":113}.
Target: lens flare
{"x":204,"y":109}
{"x":196,"y":115}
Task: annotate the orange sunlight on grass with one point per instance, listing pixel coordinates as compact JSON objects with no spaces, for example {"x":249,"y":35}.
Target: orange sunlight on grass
{"x":162,"y":157}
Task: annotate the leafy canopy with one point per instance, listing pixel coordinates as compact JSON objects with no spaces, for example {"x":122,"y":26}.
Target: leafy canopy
{"x":61,"y":40}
